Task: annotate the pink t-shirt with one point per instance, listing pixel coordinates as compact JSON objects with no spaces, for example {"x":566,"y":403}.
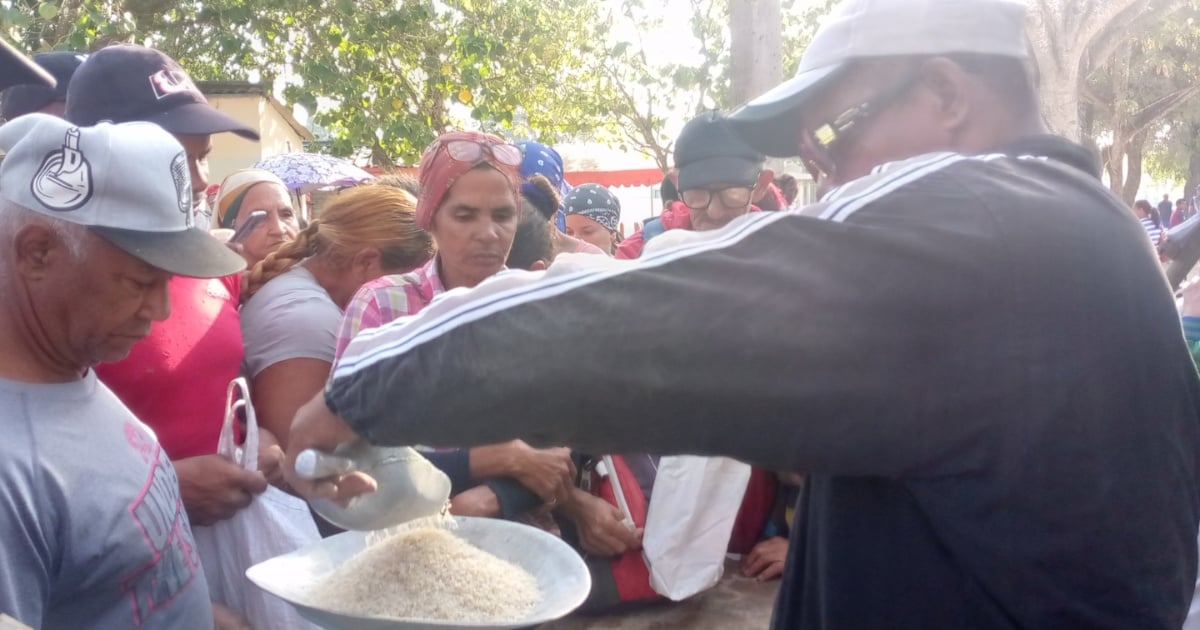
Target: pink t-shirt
{"x":175,"y":380}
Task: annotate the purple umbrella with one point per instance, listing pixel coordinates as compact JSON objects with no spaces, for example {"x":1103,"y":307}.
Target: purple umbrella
{"x":306,"y":172}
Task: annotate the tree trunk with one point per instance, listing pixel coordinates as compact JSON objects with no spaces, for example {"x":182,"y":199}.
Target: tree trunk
{"x":1087,"y":120}
{"x":1193,"y":176}
{"x":1133,"y":164}
{"x":1060,"y":101}
{"x":1113,"y":158}
{"x":380,"y":157}
{"x":756,"y":36}
{"x":1068,"y":40}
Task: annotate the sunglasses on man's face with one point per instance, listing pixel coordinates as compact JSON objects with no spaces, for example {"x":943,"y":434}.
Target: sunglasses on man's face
{"x":702,"y":198}
{"x":817,"y":145}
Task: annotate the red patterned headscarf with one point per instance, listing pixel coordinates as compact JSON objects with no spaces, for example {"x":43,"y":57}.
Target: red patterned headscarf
{"x":440,"y":168}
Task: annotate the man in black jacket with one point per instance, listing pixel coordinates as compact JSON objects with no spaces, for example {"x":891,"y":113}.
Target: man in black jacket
{"x":952,"y":344}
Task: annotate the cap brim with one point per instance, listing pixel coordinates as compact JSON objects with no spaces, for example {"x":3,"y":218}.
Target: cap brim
{"x":19,"y":100}
{"x":17,"y":69}
{"x":61,"y":65}
{"x":719,"y":170}
{"x":193,"y":252}
{"x":200,"y":119}
{"x":763,"y":121}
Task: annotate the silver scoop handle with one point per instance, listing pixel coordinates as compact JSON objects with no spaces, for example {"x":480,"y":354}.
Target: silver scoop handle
{"x":314,"y":464}
{"x":408,"y":485}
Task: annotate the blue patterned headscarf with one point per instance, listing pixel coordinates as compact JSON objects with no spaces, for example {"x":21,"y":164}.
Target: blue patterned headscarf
{"x":596,"y":203}
{"x":545,"y":161}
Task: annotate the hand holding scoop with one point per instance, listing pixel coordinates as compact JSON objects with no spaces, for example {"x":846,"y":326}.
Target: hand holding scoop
{"x":410,"y":486}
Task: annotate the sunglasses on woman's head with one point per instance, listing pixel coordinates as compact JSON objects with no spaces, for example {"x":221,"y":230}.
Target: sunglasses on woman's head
{"x":473,"y":151}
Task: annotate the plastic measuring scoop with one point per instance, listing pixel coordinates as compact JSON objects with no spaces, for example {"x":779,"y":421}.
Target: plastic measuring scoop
{"x":410,"y":486}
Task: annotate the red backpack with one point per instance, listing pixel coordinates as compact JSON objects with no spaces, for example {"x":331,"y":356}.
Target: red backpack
{"x":623,"y":580}
{"x":755,"y":511}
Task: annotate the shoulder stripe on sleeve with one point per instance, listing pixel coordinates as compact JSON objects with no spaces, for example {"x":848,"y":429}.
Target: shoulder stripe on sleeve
{"x":892,"y":178}
{"x":399,"y":337}
{"x":851,"y":195}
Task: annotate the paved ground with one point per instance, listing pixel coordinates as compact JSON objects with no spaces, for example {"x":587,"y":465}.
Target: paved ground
{"x":735,"y":604}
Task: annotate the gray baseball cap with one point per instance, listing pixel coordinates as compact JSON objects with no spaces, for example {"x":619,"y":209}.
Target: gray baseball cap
{"x":128,"y":183}
{"x":861,"y":29}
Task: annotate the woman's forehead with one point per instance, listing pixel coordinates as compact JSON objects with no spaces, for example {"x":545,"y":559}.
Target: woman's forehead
{"x":482,"y":183}
{"x":581,"y":220}
{"x":264,"y":192}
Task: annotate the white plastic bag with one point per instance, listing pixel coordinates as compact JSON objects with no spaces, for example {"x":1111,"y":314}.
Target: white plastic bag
{"x":691,"y":516}
{"x":274,"y":524}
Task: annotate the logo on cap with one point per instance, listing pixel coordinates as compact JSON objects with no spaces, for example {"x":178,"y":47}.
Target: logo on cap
{"x":167,"y":82}
{"x":183,"y":185}
{"x":64,"y":180}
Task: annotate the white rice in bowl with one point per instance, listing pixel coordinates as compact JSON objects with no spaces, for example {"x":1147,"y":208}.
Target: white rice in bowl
{"x":428,"y":573}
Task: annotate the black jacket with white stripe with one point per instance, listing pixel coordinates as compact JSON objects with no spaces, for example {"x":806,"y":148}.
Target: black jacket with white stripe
{"x":964,"y":353}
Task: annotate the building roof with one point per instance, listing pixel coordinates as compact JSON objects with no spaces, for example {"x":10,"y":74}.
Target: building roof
{"x":245,"y":88}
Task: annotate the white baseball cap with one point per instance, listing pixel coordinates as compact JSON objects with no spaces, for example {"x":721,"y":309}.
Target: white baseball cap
{"x":128,"y":183}
{"x":859,"y":29}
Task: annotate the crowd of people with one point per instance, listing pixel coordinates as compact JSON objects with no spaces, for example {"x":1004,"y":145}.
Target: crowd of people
{"x":1159,"y":220}
{"x":375,"y":253}
{"x":943,"y":366}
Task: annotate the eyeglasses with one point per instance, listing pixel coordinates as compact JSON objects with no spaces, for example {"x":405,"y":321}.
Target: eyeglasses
{"x":816,"y":145}
{"x":701,"y":198}
{"x":473,"y":151}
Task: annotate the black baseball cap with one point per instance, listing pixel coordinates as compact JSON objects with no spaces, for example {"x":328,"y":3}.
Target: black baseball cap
{"x":17,"y":69}
{"x":28,"y":98}
{"x":709,"y":151}
{"x":126,"y":82}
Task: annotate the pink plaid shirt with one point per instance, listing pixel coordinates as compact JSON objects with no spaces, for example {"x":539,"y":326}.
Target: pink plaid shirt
{"x":388,"y":298}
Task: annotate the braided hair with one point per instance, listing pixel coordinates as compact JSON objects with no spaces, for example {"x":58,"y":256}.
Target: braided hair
{"x":371,"y":216}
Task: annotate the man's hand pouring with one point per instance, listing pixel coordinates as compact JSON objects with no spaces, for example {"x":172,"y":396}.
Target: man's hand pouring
{"x":316,"y":427}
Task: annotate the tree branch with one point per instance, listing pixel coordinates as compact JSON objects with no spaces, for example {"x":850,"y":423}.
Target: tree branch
{"x":1133,"y":19}
{"x":1155,"y":111}
{"x":1102,"y":102}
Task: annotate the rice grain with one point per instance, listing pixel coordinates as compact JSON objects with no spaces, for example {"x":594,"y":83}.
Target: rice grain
{"x":429,"y":574}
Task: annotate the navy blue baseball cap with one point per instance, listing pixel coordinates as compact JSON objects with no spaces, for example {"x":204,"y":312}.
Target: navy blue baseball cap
{"x":17,"y":69}
{"x":28,"y":98}
{"x":126,"y":83}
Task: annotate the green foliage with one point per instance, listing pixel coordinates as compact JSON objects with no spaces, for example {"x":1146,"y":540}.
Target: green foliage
{"x":383,"y":74}
{"x":799,"y":26}
{"x":1177,"y":135}
{"x":1144,"y":97}
{"x":647,"y":96}
{"x":389,"y":75}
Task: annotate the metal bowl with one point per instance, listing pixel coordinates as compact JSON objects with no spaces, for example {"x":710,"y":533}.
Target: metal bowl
{"x":561,"y":574}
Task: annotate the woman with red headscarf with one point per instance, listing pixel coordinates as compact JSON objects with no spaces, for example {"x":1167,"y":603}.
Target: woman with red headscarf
{"x":470,"y":203}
